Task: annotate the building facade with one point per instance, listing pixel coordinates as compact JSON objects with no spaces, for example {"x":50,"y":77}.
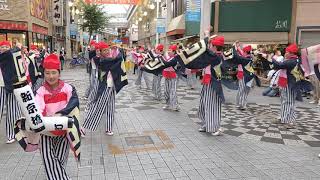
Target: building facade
{"x":26,"y":22}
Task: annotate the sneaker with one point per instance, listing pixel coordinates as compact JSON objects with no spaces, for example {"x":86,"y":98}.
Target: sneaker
{"x":218,"y":133}
{"x":109,"y":133}
{"x":313,"y":102}
{"x":10,"y":141}
{"x":166,"y":107}
{"x":176,"y":109}
{"x":319,"y":103}
{"x":289,"y":126}
{"x":277,"y":121}
{"x":202,"y":129}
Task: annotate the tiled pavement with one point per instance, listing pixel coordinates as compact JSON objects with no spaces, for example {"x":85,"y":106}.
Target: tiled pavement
{"x":150,"y":143}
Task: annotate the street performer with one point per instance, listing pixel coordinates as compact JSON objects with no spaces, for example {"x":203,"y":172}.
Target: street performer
{"x":112,"y":77}
{"x":170,"y":76}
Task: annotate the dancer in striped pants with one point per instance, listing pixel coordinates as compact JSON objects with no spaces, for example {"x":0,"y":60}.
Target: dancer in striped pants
{"x":170,"y":90}
{"x":211,"y":96}
{"x":105,"y":98}
{"x":8,"y":99}
{"x":156,"y":87}
{"x":290,"y":71}
{"x":93,"y":54}
{"x":138,"y":59}
{"x":245,"y":74}
{"x":55,"y":98}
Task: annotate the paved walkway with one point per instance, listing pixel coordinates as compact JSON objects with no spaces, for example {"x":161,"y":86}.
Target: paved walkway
{"x":150,"y":143}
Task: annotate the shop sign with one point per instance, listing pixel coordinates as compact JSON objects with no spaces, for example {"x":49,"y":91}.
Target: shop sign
{"x":57,"y":11}
{"x":161,"y":25}
{"x":133,"y":2}
{"x":73,"y":30}
{"x":39,"y":29}
{"x":11,"y":25}
{"x":193,"y":12}
{"x":4,"y":5}
{"x":192,"y":17}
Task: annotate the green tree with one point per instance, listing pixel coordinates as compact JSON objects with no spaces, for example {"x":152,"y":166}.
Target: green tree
{"x":95,"y":20}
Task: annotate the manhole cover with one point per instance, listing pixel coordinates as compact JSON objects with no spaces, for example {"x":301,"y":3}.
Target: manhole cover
{"x":138,"y":140}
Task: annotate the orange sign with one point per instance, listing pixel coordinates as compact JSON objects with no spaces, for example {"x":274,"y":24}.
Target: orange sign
{"x":113,"y":1}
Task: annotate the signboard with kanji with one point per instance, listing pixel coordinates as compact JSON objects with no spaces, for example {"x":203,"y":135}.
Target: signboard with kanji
{"x":57,"y":12}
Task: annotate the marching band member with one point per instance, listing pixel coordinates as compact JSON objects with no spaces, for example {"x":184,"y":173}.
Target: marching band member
{"x":211,"y":95}
{"x":111,"y":75}
{"x":290,"y":74}
{"x":170,"y":76}
{"x":55,"y":98}
{"x":139,"y":62}
{"x":245,"y":74}
{"x":7,"y":98}
{"x":156,"y":83}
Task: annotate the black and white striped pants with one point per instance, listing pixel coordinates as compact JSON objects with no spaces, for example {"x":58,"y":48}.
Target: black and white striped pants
{"x":13,"y":111}
{"x":242,"y":94}
{"x":156,"y":86}
{"x":210,"y":109}
{"x":143,"y":75}
{"x":288,"y":97}
{"x":170,"y":92}
{"x":54,"y":152}
{"x":92,"y":94}
{"x":105,"y":103}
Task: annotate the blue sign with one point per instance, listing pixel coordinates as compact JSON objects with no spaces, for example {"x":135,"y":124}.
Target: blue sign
{"x":73,"y":30}
{"x":161,"y":25}
{"x":193,"y":16}
{"x":193,"y":10}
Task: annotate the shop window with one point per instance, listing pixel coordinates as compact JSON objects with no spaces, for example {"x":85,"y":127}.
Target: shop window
{"x":16,"y":38}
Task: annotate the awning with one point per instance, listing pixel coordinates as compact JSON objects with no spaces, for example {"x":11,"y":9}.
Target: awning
{"x":176,"y":26}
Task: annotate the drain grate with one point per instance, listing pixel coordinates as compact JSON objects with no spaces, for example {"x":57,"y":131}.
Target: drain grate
{"x":138,"y":140}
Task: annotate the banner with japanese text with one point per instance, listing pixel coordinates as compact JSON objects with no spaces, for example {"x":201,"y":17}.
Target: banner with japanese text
{"x":57,"y":12}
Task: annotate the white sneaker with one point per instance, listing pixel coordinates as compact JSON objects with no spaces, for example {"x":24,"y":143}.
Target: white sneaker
{"x":319,"y":155}
{"x":313,"y":102}
{"x":109,"y":133}
{"x":202,"y":129}
{"x":218,"y":133}
{"x":319,"y":103}
{"x":10,"y":141}
{"x":166,"y":107}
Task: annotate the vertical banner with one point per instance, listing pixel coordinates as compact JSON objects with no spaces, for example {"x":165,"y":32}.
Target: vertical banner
{"x":193,"y":17}
{"x":57,"y":12}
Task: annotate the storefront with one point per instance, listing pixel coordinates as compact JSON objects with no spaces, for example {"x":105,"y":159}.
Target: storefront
{"x":248,"y":22}
{"x":14,"y":31}
{"x":40,"y":36}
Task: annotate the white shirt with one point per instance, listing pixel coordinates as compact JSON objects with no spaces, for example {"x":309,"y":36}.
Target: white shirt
{"x":1,"y":79}
{"x":110,"y":80}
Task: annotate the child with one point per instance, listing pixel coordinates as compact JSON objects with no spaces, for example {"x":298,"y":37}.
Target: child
{"x":55,"y":98}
